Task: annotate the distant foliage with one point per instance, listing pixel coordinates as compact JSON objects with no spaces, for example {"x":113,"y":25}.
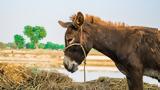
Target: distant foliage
{"x":30,"y":45}
{"x":54,"y":46}
{"x":48,"y":45}
{"x":35,"y":33}
{"x":11,"y":45}
{"x":19,"y":41}
{"x":2,"y":45}
{"x":41,"y":45}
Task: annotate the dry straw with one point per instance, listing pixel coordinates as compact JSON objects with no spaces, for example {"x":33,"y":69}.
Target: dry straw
{"x":19,"y":77}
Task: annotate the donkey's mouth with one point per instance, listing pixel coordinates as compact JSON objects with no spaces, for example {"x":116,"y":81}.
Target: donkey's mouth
{"x":70,"y":65}
{"x":72,"y":70}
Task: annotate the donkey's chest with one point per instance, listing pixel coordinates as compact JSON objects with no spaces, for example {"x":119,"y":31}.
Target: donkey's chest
{"x":152,"y":73}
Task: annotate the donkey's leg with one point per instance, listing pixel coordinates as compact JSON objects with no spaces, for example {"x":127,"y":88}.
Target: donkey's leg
{"x":135,"y":73}
{"x":135,"y":80}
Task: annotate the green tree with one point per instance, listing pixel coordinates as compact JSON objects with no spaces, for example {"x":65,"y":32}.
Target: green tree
{"x":35,"y":33}
{"x":19,"y":41}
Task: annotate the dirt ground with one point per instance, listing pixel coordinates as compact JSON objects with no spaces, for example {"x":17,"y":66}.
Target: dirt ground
{"x":20,"y":77}
{"x":45,"y":58}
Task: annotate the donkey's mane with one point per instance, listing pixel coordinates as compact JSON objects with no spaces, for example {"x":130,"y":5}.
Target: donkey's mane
{"x":97,"y":20}
{"x":118,"y":25}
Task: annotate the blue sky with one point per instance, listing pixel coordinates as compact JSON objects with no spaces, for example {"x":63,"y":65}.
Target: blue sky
{"x":15,"y":14}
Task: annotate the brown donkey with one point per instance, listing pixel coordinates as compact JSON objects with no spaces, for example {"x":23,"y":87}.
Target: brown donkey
{"x":135,"y":50}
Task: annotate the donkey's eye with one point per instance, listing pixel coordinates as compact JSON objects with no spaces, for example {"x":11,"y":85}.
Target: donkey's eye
{"x":69,"y":40}
{"x":74,"y":29}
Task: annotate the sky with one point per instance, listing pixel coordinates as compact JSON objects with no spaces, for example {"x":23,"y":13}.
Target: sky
{"x":15,"y":14}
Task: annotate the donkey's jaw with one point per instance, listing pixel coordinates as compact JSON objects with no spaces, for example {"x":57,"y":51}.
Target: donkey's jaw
{"x":69,"y":64}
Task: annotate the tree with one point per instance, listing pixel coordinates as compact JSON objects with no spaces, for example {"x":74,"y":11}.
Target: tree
{"x":19,"y":41}
{"x":35,"y":33}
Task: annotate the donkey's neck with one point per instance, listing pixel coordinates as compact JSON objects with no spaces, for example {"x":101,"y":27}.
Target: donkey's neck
{"x":107,"y":41}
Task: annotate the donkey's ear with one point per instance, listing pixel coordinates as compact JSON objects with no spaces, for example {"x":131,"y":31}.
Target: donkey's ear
{"x":64,"y":24}
{"x":79,"y":20}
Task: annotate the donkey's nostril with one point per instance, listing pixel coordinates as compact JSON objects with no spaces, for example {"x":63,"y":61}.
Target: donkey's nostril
{"x":73,"y":65}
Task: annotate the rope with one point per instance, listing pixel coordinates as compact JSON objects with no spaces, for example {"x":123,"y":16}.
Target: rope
{"x":84,"y":68}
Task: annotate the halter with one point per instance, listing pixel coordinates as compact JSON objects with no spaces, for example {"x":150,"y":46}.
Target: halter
{"x":84,"y":52}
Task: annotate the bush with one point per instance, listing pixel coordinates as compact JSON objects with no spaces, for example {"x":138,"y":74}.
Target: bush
{"x":49,"y":45}
{"x":30,"y":45}
{"x":11,"y":45}
{"x":53,"y":46}
{"x":41,"y":45}
{"x":2,"y":45}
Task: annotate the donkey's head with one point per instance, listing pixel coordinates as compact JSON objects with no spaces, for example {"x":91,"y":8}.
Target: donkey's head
{"x":76,"y":33}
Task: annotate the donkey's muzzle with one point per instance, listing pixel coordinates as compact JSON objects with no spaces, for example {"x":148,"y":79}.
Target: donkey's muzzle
{"x":70,"y":65}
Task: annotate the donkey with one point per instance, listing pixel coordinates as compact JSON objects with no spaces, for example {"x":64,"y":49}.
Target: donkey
{"x":135,"y":50}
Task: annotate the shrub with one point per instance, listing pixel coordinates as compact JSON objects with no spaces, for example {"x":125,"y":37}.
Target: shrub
{"x":41,"y":45}
{"x":53,"y":46}
{"x":30,"y":45}
{"x":11,"y":45}
{"x":2,"y":45}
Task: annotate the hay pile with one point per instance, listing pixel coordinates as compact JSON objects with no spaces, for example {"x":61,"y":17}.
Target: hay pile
{"x":19,"y":77}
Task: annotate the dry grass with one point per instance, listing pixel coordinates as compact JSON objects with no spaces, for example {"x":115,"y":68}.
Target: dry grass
{"x":20,"y":77}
